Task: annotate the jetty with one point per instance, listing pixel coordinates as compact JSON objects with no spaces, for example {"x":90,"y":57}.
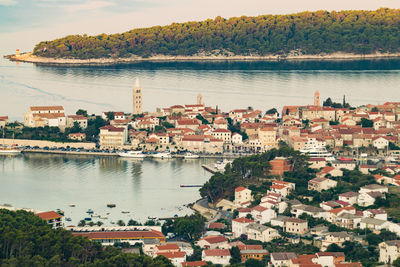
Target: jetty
{"x":209,"y":168}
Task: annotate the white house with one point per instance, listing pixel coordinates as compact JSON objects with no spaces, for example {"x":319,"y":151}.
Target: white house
{"x":321,"y":183}
{"x":213,"y":242}
{"x":239,"y":226}
{"x":280,"y":259}
{"x":380,"y":142}
{"x":216,"y":256}
{"x":242,"y":196}
{"x":237,"y":139}
{"x":389,"y":251}
{"x":261,"y":233}
{"x":349,"y":197}
{"x":262,"y":215}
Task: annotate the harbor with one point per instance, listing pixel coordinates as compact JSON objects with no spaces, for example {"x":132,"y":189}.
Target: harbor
{"x":75,"y":183}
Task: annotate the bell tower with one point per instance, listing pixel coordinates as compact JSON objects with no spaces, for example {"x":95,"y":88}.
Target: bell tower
{"x":199,"y":99}
{"x":316,"y":99}
{"x":137,"y":98}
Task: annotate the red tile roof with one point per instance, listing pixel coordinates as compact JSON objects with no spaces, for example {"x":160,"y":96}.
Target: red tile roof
{"x":48,"y":215}
{"x":243,"y":220}
{"x":217,"y":252}
{"x":194,"y":263}
{"x":172,"y":255}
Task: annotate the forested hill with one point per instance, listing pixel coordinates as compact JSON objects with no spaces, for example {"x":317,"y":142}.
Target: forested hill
{"x":359,"y":32}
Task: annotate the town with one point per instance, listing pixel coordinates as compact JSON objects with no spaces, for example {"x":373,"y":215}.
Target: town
{"x":316,"y":185}
{"x":337,"y":128}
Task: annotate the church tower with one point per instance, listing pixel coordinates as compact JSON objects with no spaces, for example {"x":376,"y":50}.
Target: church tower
{"x":137,"y":98}
{"x":199,"y":99}
{"x":316,"y":99}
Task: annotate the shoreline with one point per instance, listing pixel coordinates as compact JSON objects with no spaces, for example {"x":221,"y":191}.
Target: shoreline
{"x":30,"y":58}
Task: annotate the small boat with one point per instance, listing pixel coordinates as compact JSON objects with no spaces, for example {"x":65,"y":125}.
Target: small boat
{"x":68,"y":219}
{"x":125,"y":211}
{"x":108,"y":213}
{"x":89,"y":211}
{"x":95,"y":215}
{"x":103,"y":217}
{"x":152,"y":218}
{"x":5,"y":150}
{"x":112,"y":222}
{"x":162,"y":155}
{"x":88,"y":219}
{"x":132,"y":154}
{"x":111,"y":205}
{"x":220,"y":165}
{"x":191,"y":156}
{"x":72,"y":205}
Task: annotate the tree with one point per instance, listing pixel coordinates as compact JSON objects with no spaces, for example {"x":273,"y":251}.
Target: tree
{"x":190,"y":227}
{"x":110,"y":115}
{"x":365,"y":123}
{"x":271,"y":111}
{"x":132,"y":222}
{"x":82,"y":112}
{"x":82,"y":223}
{"x":254,"y":263}
{"x":120,"y":223}
{"x":373,"y":239}
{"x":235,"y":255}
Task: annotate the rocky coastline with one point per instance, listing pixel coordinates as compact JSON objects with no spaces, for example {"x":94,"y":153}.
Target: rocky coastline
{"x":30,"y":58}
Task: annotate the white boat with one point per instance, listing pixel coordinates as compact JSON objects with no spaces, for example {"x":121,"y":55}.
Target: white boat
{"x":132,"y":154}
{"x":191,"y":156}
{"x":220,"y":165}
{"x":103,"y":217}
{"x":162,"y":155}
{"x":318,"y":153}
{"x":9,"y":151}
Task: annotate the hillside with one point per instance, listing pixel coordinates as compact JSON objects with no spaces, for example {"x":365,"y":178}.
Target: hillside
{"x":307,"y":33}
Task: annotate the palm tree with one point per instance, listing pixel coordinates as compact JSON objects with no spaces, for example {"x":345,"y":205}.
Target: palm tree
{"x":121,"y":223}
{"x":82,"y":223}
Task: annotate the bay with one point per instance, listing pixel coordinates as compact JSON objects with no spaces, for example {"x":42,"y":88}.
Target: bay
{"x":148,"y":187}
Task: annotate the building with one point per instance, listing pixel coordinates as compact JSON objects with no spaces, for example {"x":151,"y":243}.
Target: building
{"x":320,"y":183}
{"x":77,"y":136}
{"x":222,"y":134}
{"x":79,"y":119}
{"x":111,"y":137}
{"x":3,"y":122}
{"x":216,"y":256}
{"x":239,"y":226}
{"x":349,"y":197}
{"x":41,"y":116}
{"x":279,"y":166}
{"x":389,"y":251}
{"x":267,"y":137}
{"x":137,"y":98}
{"x":213,"y":242}
{"x":280,"y":259}
{"x":176,"y":258}
{"x":255,"y":252}
{"x":316,"y":99}
{"x":242,"y":196}
{"x":52,"y":218}
{"x":296,"y":226}
{"x":108,"y":238}
{"x":261,"y":232}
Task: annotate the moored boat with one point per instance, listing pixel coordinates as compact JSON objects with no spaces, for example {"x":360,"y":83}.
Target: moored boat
{"x":132,"y":154}
{"x":162,"y":155}
{"x":9,"y":151}
{"x":191,"y":156}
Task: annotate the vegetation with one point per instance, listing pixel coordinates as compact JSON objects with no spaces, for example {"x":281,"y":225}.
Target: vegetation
{"x":189,"y":227}
{"x":317,"y":32}
{"x":26,"y":240}
{"x":247,"y":169}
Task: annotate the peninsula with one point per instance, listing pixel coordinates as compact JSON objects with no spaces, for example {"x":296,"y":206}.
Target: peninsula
{"x":306,"y":35}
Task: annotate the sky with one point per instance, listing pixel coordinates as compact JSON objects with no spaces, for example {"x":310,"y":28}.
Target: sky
{"x":24,"y":23}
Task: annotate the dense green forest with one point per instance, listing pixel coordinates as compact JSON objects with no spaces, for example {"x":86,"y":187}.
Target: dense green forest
{"x":318,"y":32}
{"x":26,"y":240}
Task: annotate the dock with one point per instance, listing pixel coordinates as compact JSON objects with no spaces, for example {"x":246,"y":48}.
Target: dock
{"x":209,"y":168}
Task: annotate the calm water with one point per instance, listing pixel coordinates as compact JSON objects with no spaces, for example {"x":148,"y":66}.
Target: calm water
{"x":230,"y":85}
{"x":144,"y":187}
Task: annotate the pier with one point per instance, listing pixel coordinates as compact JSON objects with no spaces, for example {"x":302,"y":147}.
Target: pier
{"x":209,"y":168}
